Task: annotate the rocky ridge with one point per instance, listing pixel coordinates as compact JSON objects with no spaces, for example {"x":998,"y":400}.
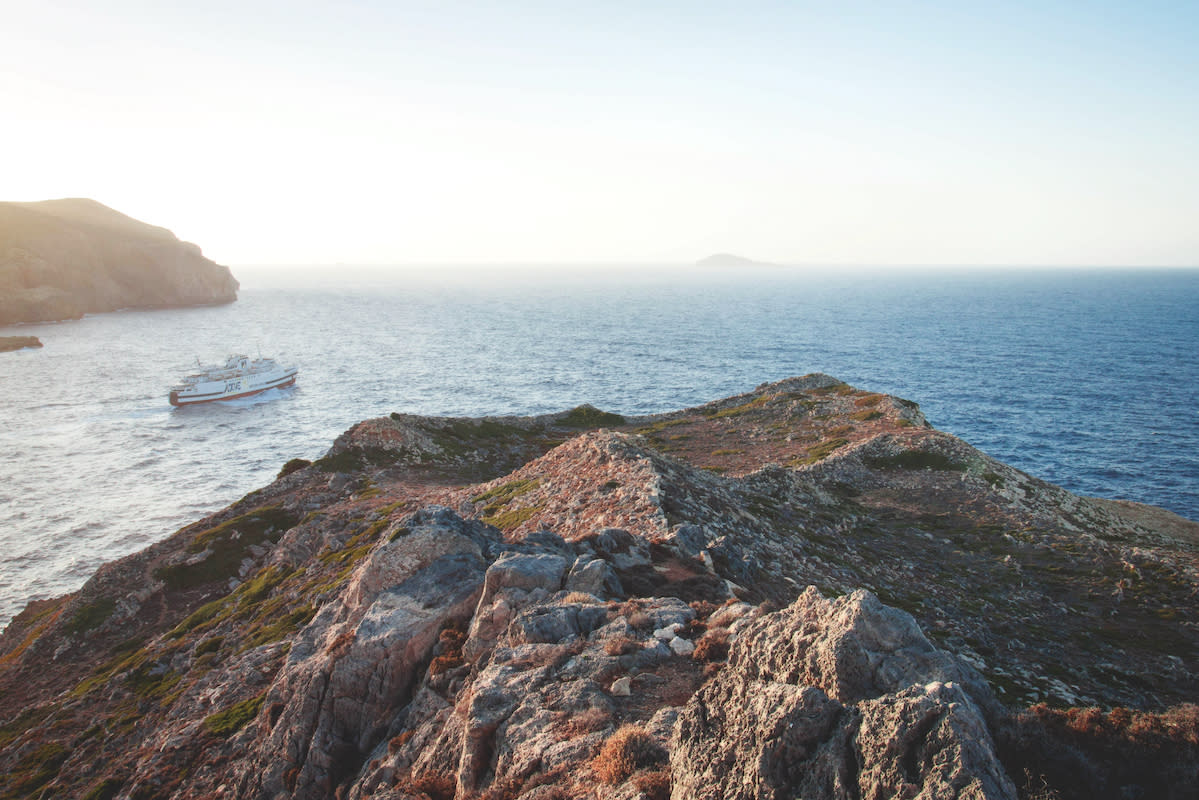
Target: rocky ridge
{"x":61,"y":259}
{"x":804,"y":590}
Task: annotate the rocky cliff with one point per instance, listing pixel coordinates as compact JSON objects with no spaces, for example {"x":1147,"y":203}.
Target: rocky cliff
{"x":61,"y":259}
{"x":803,"y":591}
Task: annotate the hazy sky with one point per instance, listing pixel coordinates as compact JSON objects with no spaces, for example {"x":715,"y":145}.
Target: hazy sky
{"x":377,"y":132}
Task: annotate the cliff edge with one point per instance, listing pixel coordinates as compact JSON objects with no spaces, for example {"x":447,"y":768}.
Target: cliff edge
{"x":61,"y":259}
{"x":801,"y":591}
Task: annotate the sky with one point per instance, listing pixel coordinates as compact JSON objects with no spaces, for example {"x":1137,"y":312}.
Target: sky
{"x":302,"y":132}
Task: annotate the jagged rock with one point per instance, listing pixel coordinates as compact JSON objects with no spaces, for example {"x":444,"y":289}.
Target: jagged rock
{"x":837,"y":699}
{"x":513,"y":581}
{"x":689,"y":540}
{"x":555,"y":623}
{"x":355,"y":662}
{"x":594,"y":576}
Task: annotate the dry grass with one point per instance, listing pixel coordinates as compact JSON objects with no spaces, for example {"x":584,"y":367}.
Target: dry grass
{"x":433,"y":785}
{"x":714,"y":646}
{"x":588,"y":721}
{"x":628,"y":750}
{"x":654,"y":785}
{"x":449,"y":644}
{"x":621,"y":646}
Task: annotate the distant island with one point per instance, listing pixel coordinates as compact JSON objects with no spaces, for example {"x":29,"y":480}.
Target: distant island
{"x":61,"y":259}
{"x":730,"y":260}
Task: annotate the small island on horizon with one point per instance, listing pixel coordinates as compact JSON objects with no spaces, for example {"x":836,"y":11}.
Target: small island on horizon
{"x":730,"y":260}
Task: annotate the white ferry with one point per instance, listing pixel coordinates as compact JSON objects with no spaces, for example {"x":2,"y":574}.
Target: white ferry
{"x":239,"y":377}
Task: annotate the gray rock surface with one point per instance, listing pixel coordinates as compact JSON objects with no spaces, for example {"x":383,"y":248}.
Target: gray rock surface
{"x":837,"y":698}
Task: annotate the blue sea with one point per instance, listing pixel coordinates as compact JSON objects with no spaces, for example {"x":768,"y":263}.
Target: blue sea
{"x":1087,"y":378}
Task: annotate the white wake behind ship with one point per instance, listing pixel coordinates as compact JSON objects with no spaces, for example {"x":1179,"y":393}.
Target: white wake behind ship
{"x":239,"y":377}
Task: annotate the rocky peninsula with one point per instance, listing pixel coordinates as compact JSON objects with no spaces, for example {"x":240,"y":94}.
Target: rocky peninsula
{"x":801,"y":591}
{"x":10,"y":343}
{"x":61,"y":259}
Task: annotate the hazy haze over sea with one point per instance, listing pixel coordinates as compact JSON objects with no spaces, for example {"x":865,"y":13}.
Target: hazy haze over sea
{"x":1086,"y":378}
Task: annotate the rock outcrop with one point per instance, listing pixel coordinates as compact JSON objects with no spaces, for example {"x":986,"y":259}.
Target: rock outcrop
{"x":840,"y":699}
{"x":61,"y":259}
{"x":802,"y":591}
{"x":10,"y":343}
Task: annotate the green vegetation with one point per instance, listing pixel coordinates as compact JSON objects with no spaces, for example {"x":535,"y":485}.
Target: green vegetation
{"x":737,"y":411}
{"x":294,"y":465}
{"x":496,"y":512}
{"x":91,"y":615}
{"x":586,"y":416}
{"x":501,"y":495}
{"x":353,"y":459}
{"x":106,"y":789}
{"x":240,"y":603}
{"x":463,"y":436}
{"x":507,"y":520}
{"x":278,"y":630}
{"x":658,"y":427}
{"x":915,"y":459}
{"x":210,"y":645}
{"x":388,"y":510}
{"x":233,"y":719}
{"x":866,"y":415}
{"x":35,"y":770}
{"x":203,"y":614}
{"x":148,"y":684}
{"x":820,"y":451}
{"x":29,"y":718}
{"x":229,"y":542}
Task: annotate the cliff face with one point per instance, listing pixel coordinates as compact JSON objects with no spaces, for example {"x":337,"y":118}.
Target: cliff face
{"x":804,"y":591}
{"x":61,"y":259}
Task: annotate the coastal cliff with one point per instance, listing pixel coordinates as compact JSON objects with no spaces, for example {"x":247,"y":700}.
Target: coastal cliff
{"x":61,"y":259}
{"x":802,"y":591}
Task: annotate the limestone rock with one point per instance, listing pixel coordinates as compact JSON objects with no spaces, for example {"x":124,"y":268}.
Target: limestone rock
{"x":837,"y":699}
{"x":594,"y":576}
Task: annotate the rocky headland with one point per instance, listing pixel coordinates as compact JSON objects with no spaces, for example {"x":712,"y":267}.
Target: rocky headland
{"x":61,"y":259}
{"x":10,"y":343}
{"x":802,"y":591}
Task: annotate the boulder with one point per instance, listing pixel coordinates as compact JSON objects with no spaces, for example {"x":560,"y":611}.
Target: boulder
{"x":837,"y":699}
{"x":594,"y":576}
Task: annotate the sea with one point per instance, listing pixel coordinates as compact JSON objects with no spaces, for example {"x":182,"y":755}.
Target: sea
{"x":1088,"y":378}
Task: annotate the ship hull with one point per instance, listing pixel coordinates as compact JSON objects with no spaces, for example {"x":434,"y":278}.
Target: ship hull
{"x":236,"y":388}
